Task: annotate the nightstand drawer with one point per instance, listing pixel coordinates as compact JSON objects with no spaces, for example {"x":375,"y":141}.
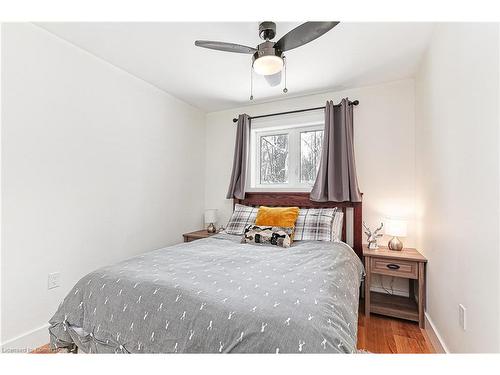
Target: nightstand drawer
{"x":398,"y":268}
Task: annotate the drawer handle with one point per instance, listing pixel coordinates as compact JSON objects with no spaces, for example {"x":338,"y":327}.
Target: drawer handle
{"x":393,"y":266}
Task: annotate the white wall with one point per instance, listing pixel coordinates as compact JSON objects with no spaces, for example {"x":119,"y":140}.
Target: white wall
{"x":457,"y":179}
{"x":384,"y":131}
{"x":97,"y":165}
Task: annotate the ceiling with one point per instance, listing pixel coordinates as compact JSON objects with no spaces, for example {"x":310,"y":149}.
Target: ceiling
{"x":350,"y":55}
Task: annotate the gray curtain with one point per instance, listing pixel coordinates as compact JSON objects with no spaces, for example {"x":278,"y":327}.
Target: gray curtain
{"x":238,"y":176}
{"x":336,"y":180}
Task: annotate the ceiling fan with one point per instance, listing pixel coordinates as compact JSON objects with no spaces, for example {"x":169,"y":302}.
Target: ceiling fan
{"x":268,"y":58}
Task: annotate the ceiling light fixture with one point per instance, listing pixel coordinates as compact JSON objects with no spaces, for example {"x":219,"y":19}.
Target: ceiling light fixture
{"x":267,"y":59}
{"x":268,"y":65}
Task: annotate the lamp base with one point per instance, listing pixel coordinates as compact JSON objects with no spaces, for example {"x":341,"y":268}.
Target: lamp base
{"x":211,"y":228}
{"x":395,"y":244}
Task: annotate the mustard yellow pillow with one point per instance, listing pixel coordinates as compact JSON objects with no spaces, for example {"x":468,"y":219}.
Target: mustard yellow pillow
{"x":277,"y":216}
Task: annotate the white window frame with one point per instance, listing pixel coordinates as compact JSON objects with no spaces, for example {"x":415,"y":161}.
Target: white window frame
{"x":294,"y":154}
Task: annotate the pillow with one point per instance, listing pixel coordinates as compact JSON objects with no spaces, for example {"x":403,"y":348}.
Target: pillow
{"x":338,"y":221}
{"x":277,"y":216}
{"x":241,"y":217}
{"x":260,"y":234}
{"x":315,"y":224}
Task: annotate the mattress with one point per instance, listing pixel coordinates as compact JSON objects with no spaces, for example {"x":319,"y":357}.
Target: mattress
{"x":217,"y":295}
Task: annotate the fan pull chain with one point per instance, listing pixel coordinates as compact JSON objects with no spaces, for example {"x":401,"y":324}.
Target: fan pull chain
{"x":251,"y":82}
{"x":285,"y":90}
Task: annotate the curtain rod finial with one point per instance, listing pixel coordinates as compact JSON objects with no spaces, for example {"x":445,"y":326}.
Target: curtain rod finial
{"x":235,"y":120}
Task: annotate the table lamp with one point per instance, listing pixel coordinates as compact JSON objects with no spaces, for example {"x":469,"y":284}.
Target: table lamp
{"x":395,"y":228}
{"x":211,"y":219}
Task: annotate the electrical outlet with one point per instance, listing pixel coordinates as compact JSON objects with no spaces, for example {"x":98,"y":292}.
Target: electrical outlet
{"x":461,"y":316}
{"x":53,"y":280}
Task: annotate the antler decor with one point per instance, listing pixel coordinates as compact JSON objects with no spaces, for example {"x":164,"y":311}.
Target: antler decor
{"x":372,"y":237}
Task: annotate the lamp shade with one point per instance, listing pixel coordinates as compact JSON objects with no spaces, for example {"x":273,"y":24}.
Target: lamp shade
{"x":211,"y":215}
{"x":268,"y":65}
{"x":395,"y":227}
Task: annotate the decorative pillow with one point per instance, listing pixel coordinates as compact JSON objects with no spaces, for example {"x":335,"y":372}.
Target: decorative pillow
{"x":338,"y":221}
{"x":277,"y":216}
{"x":315,"y":224}
{"x":241,"y":217}
{"x":260,"y":234}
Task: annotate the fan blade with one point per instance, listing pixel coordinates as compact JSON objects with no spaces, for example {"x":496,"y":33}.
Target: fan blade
{"x":303,"y":34}
{"x":273,"y":79}
{"x":223,"y":46}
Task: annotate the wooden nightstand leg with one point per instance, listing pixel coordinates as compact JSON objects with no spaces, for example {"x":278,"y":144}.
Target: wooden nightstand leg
{"x":421,"y":294}
{"x":367,"y":288}
{"x":411,"y":289}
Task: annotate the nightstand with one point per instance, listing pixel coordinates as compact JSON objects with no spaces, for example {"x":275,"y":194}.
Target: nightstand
{"x":407,"y":263}
{"x":193,"y":236}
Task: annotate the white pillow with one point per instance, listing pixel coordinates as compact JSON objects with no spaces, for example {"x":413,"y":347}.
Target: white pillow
{"x":338,"y":221}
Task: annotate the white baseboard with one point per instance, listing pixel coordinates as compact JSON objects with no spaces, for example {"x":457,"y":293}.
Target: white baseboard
{"x":28,"y":341}
{"x":434,"y":336}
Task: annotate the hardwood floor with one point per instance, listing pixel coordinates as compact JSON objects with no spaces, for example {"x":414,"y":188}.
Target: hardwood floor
{"x":381,"y":334}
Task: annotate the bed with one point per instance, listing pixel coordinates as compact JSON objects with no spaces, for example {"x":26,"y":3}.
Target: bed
{"x":217,"y":295}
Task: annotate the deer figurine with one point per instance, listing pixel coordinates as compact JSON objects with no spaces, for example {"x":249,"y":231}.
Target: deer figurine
{"x":372,"y":237}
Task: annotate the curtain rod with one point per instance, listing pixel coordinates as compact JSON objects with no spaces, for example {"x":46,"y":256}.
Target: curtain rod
{"x":355,"y":102}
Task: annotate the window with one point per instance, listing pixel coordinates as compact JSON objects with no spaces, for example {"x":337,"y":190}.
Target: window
{"x":273,"y":151}
{"x":285,"y":155}
{"x":311,"y":144}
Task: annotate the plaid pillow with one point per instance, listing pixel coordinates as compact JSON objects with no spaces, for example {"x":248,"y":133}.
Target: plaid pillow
{"x":315,"y":224}
{"x":241,"y":217}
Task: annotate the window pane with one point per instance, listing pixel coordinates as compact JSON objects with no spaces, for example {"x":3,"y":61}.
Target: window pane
{"x":311,"y":144}
{"x":274,"y":159}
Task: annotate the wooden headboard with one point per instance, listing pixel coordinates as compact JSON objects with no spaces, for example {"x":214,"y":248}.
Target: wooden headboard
{"x":302,"y":200}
